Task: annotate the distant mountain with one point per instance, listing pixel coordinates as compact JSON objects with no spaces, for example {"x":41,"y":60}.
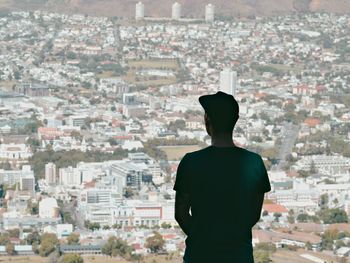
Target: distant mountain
{"x":191,"y":8}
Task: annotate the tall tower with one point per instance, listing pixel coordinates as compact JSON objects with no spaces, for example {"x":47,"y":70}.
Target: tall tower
{"x":176,"y":11}
{"x":139,"y":11}
{"x":27,"y":183}
{"x":50,"y":173}
{"x":228,"y":81}
{"x":209,"y":13}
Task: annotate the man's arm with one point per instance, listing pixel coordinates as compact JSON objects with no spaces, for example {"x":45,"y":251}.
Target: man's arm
{"x":182,"y":209}
{"x":263,"y":187}
{"x":257,"y":207}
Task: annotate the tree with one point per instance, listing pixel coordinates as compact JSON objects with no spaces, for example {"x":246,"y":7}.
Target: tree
{"x":328,"y":239}
{"x":302,"y":218}
{"x":324,"y":200}
{"x":261,"y":256}
{"x":10,"y":249}
{"x":4,"y":239}
{"x":313,"y":169}
{"x":128,"y":192}
{"x":308,"y":245}
{"x":177,"y":125}
{"x":14,"y":232}
{"x":277,"y":216}
{"x":48,"y":244}
{"x":291,"y":219}
{"x":155,"y":243}
{"x":333,"y":216}
{"x":270,"y":247}
{"x":303,"y":173}
{"x":33,"y":238}
{"x":117,"y":247}
{"x":71,"y":258}
{"x":73,"y":239}
{"x":33,"y":208}
{"x":92,"y":226}
{"x":165,"y":225}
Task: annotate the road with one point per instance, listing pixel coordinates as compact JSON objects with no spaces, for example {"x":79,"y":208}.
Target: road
{"x":289,"y":136}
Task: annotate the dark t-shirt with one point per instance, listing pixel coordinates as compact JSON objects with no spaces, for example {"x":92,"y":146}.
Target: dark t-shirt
{"x":222,"y":183}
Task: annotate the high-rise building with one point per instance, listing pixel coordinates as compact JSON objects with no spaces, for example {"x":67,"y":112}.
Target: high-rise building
{"x":50,"y":173}
{"x":209,"y":13}
{"x":139,"y":11}
{"x":27,"y":181}
{"x":176,"y":11}
{"x":70,"y":176}
{"x":228,"y":81}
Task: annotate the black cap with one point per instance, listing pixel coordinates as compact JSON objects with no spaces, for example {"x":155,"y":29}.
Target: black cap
{"x":222,"y":108}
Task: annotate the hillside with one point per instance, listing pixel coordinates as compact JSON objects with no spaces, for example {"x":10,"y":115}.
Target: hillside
{"x":195,"y":8}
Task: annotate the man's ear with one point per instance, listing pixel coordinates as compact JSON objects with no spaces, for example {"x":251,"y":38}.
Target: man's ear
{"x":206,"y":118}
{"x":207,"y":124}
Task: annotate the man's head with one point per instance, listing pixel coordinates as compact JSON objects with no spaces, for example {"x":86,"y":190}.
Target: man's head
{"x":221,"y":112}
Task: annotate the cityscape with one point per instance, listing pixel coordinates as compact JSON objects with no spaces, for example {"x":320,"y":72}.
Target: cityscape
{"x":96,"y":113}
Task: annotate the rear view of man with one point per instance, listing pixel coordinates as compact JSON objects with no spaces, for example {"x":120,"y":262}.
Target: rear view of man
{"x":223,"y":186}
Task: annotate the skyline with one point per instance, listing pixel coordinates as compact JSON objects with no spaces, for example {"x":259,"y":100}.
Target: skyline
{"x":97,"y":112}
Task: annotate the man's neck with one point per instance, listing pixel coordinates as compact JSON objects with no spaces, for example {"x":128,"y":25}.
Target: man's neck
{"x":222,"y":141}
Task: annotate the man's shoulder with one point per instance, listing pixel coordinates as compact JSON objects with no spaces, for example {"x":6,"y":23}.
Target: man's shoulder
{"x":251,"y":154}
{"x":203,"y":152}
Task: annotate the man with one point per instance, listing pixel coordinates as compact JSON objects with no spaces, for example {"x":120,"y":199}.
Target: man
{"x":223,"y":185}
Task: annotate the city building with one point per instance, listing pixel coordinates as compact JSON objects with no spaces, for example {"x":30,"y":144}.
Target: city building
{"x":130,"y":174}
{"x":27,"y":181}
{"x":70,"y":176}
{"x":48,"y":208}
{"x":139,"y":11}
{"x":228,"y":81}
{"x":209,"y":13}
{"x":176,"y":11}
{"x":33,"y":90}
{"x":12,"y":177}
{"x":13,"y":152}
{"x":50,"y":173}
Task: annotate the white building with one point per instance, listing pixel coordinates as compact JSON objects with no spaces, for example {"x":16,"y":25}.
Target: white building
{"x":176,"y":11}
{"x":209,"y":13}
{"x":139,"y":11}
{"x":48,"y":208}
{"x":325,"y":164}
{"x":103,"y":197}
{"x":98,"y":204}
{"x":70,"y":176}
{"x":14,"y":152}
{"x":50,"y":173}
{"x":129,"y":174}
{"x":64,"y":230}
{"x":228,"y":81}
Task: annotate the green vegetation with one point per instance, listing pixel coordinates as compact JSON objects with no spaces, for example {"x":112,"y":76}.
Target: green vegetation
{"x":70,"y":158}
{"x":263,"y":252}
{"x":335,"y":142}
{"x":176,"y":125}
{"x":73,"y":239}
{"x":307,"y":218}
{"x":155,"y":243}
{"x":160,"y":64}
{"x":117,"y":247}
{"x":165,"y":225}
{"x":333,"y":216}
{"x":71,"y":258}
{"x":92,"y":226}
{"x":48,"y":244}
